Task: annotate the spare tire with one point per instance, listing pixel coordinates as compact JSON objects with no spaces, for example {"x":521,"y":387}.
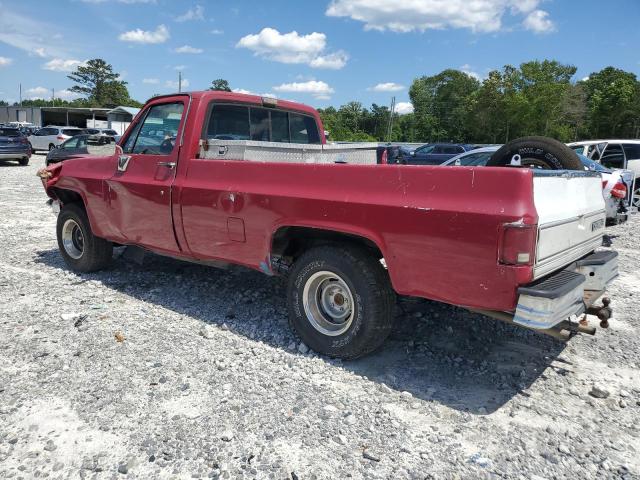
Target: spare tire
{"x":536,"y":152}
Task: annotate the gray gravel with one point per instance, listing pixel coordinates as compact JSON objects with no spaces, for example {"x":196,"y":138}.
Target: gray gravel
{"x":172,"y":370}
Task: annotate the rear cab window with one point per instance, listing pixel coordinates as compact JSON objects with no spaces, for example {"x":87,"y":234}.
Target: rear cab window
{"x":245,"y":122}
{"x":632,"y":151}
{"x":9,"y":132}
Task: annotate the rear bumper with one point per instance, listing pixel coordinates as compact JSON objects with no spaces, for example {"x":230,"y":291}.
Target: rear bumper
{"x":547,"y":302}
{"x":14,"y":155}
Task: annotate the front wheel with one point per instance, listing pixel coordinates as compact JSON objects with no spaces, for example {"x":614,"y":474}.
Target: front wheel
{"x":635,"y":200}
{"x":536,"y":152}
{"x":340,"y":301}
{"x":81,"y":250}
{"x":24,"y":161}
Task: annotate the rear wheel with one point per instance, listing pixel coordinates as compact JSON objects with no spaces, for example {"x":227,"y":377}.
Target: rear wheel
{"x":536,"y":152}
{"x":340,"y":301}
{"x":24,"y":161}
{"x":51,"y":146}
{"x":81,"y":250}
{"x":635,"y":201}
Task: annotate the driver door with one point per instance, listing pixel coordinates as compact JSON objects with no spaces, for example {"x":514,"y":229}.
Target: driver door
{"x":139,"y":192}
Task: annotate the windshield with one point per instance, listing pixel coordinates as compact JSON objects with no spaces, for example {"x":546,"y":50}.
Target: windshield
{"x":9,"y":132}
{"x":591,"y":165}
{"x":71,"y":131}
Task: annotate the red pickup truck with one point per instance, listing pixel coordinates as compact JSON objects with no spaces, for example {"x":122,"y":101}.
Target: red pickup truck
{"x":220,"y":178}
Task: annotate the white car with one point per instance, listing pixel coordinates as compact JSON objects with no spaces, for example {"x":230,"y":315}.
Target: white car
{"x":612,"y":154}
{"x":615,"y":183}
{"x":49,"y":137}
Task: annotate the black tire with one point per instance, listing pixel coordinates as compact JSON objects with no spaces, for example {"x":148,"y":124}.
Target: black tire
{"x":368,"y":286}
{"x":537,"y":152}
{"x":83,"y":252}
{"x":51,"y":146}
{"x":24,"y":162}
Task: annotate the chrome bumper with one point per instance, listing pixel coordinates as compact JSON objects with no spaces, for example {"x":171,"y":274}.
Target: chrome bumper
{"x":547,"y":302}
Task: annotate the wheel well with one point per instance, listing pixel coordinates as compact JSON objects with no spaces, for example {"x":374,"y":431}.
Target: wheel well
{"x":288,"y":243}
{"x":68,"y":196}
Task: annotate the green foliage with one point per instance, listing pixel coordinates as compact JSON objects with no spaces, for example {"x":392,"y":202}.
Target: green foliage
{"x":100,"y":85}
{"x":220,"y":84}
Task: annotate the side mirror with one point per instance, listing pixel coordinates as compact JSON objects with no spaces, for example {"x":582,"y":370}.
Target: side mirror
{"x":413,"y":153}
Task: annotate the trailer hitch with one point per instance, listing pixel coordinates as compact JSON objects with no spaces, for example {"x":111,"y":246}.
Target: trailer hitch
{"x":604,"y":312}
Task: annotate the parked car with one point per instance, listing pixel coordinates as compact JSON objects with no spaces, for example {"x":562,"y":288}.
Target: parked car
{"x":435,"y":153}
{"x":79,"y":146}
{"x":101,"y":131}
{"x":615,"y":183}
{"x":240,"y":179}
{"x":49,"y":137}
{"x":14,"y":145}
{"x":624,"y":154}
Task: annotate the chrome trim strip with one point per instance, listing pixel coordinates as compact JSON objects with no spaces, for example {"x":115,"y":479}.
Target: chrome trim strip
{"x":572,"y":219}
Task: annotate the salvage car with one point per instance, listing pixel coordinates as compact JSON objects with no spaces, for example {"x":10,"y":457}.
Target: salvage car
{"x":240,"y":179}
{"x":615,"y":154}
{"x":615,"y":183}
{"x":49,"y":137}
{"x":78,"y":146}
{"x":14,"y":146}
{"x":435,"y":153}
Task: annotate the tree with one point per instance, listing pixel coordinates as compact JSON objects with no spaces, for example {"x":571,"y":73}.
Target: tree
{"x":442,"y":104}
{"x":221,"y":85}
{"x":613,"y":98}
{"x":3,"y":103}
{"x":101,"y":86}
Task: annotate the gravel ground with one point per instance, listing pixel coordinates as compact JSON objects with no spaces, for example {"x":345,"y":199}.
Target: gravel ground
{"x":173,"y":370}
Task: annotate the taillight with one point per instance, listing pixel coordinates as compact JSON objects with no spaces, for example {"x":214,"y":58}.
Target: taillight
{"x":517,"y":244}
{"x":619,"y":190}
{"x":61,"y":137}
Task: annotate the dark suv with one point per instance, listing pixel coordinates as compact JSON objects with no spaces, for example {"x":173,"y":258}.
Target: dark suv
{"x":436,"y":153}
{"x":14,"y":145}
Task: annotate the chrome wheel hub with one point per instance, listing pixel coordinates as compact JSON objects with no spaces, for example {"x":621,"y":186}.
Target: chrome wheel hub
{"x":72,"y":239}
{"x":328,"y":303}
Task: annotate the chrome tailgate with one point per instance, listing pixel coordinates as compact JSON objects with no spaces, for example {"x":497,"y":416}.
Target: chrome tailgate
{"x":571,"y":217}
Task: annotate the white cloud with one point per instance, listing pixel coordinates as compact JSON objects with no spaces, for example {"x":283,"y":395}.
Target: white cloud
{"x":216,"y":31}
{"x":402,"y":108}
{"x":67,"y":94}
{"x":318,"y":89}
{"x":159,"y":35}
{"x":188,"y":49}
{"x":129,"y":2}
{"x":60,"y":65}
{"x":30,"y":35}
{"x":386,"y":87}
{"x":421,"y":15}
{"x":5,"y":61}
{"x":195,"y":13}
{"x":293,"y":48}
{"x":173,"y":85}
{"x":150,"y":81}
{"x":538,"y":21}
{"x":333,"y":61}
{"x":38,"y":93}
{"x":466,"y":68}
{"x":249,"y":92}
{"x":179,"y":67}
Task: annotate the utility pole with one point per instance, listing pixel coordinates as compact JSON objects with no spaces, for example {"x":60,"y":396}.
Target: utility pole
{"x":391,"y":112}
{"x":21,"y":95}
{"x":179,"y":82}
{"x":53,"y":97}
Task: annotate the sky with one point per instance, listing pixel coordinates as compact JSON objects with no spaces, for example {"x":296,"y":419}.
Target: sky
{"x":319,"y":52}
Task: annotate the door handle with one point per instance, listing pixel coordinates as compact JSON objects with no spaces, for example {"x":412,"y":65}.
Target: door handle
{"x":169,"y":165}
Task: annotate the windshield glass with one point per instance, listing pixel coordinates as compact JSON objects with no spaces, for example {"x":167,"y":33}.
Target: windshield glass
{"x":9,"y":132}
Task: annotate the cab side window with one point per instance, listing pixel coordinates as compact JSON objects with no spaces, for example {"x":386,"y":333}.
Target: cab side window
{"x":157,"y":133}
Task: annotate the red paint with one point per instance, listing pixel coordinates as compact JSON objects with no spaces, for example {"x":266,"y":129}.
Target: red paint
{"x":438,"y":228}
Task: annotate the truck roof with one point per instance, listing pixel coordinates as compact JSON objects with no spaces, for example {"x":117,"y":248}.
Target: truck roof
{"x":244,"y":98}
